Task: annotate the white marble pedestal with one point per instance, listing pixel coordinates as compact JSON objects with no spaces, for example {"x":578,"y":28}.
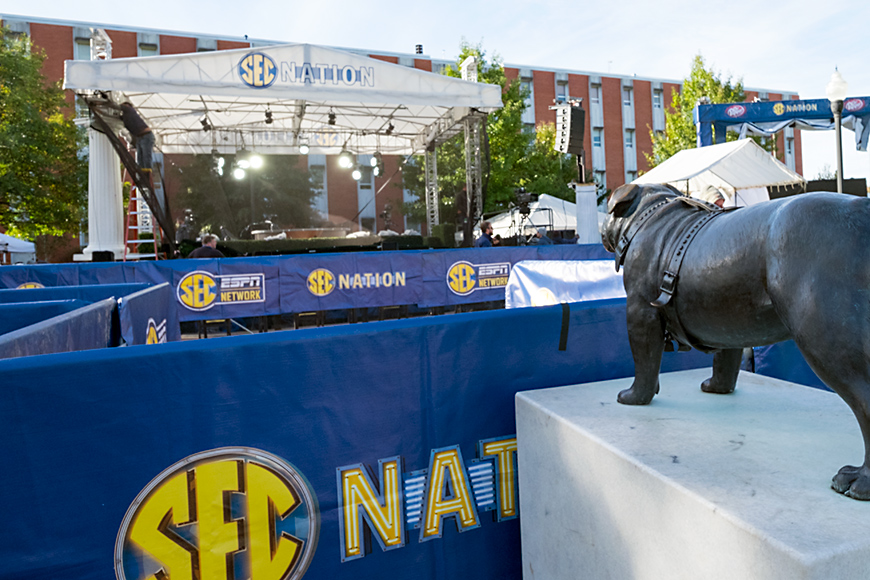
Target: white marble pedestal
{"x":694,"y":486}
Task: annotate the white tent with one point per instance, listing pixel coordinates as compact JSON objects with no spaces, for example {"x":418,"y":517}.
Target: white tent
{"x":275,"y":99}
{"x":741,"y":169}
{"x":548,"y":212}
{"x":17,"y":250}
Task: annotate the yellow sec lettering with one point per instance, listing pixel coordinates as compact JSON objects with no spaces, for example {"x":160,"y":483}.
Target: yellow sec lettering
{"x":167,"y":506}
{"x":384,"y":512}
{"x":219,"y":534}
{"x":272,"y":557}
{"x":504,"y":451}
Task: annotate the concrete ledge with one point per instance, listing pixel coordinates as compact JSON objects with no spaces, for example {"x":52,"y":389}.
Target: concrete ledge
{"x":692,"y":486}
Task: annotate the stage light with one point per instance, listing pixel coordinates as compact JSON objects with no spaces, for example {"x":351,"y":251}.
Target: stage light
{"x":255,"y":161}
{"x":206,"y":126}
{"x":304,"y":149}
{"x":389,"y":130}
{"x":243,"y":163}
{"x":219,"y":165}
{"x":331,"y":117}
{"x":357,"y":174}
{"x":239,"y":173}
{"x":376,"y":170}
{"x":345,"y":159}
{"x":377,"y":162}
{"x":269,"y":119}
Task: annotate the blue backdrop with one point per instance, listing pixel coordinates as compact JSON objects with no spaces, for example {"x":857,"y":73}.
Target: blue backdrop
{"x":245,"y":287}
{"x":84,"y":433}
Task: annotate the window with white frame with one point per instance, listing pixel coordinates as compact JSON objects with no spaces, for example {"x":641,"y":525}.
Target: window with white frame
{"x":595,"y":94}
{"x":658,"y":99}
{"x":597,"y":137}
{"x":626,"y":96}
{"x":561,"y":91}
{"x":629,"y":138}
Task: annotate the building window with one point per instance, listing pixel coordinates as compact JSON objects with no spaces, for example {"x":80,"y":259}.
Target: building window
{"x":595,"y":94}
{"x":147,"y":50}
{"x":561,"y":92}
{"x":83,"y":49}
{"x":629,"y":138}
{"x":597,"y":137}
{"x":626,"y":96}
{"x":630,"y":176}
{"x":789,"y":147}
{"x":365,"y":182}
{"x":601,"y":179}
{"x":657,"y":99}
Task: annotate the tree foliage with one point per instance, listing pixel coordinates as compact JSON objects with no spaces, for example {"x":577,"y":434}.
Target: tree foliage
{"x":43,"y":172}
{"x":282,"y":188}
{"x":513,"y":155}
{"x":679,"y":125}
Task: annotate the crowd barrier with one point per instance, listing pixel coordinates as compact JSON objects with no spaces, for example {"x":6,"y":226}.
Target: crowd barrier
{"x":268,"y":285}
{"x":359,"y":451}
{"x":65,"y":318}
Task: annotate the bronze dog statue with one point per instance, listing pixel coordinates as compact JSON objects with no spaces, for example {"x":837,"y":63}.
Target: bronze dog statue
{"x":794,"y":268}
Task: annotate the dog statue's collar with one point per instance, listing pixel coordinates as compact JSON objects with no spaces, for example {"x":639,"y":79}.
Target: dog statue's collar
{"x":634,"y":228}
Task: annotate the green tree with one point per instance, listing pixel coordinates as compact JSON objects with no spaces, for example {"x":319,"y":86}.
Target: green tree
{"x":679,"y":126}
{"x":43,"y":172}
{"x":283,"y":192}
{"x":545,"y":170}
{"x":505,"y":146}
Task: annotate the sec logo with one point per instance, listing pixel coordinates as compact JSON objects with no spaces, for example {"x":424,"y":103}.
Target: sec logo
{"x":28,"y":285}
{"x":461,"y":278}
{"x":234,"y":512}
{"x":778,"y":109}
{"x":197,"y":290}
{"x":257,"y":70}
{"x":321,"y":282}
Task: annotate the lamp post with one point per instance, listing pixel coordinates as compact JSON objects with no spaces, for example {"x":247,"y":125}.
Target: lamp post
{"x":836,"y":91}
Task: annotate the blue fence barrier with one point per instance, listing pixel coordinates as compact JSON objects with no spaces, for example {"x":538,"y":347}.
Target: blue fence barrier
{"x":20,"y":314}
{"x":361,"y":451}
{"x":149,"y":316}
{"x":246,"y":287}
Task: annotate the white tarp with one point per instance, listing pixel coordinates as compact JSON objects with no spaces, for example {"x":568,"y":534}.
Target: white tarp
{"x":15,"y":245}
{"x":547,"y":212}
{"x":377,"y":106}
{"x":734,"y":166}
{"x":546,"y":282}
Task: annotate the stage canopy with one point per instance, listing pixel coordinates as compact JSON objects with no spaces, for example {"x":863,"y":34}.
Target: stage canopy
{"x":275,"y":99}
{"x":15,"y":245}
{"x":732,"y":167}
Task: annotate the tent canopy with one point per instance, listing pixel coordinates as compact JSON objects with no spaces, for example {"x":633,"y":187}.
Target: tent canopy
{"x":275,"y":99}
{"x":15,"y":245}
{"x":733,"y":166}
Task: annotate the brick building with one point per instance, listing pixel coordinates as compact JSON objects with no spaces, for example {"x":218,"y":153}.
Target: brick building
{"x":621,"y":110}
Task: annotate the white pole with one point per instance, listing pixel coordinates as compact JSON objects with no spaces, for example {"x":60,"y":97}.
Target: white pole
{"x":105,"y":200}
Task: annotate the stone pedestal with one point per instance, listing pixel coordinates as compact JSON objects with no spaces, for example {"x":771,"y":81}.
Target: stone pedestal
{"x":105,"y":200}
{"x":692,"y":486}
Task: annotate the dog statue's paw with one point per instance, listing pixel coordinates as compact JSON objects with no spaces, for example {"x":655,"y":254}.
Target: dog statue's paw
{"x":709,"y":387}
{"x":635,"y":396}
{"x":853,"y":482}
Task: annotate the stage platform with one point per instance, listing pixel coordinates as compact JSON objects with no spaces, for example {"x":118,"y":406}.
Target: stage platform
{"x":692,"y":486}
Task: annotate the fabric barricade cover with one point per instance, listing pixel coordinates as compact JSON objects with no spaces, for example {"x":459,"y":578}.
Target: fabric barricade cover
{"x":546,"y":282}
{"x":149,"y":316}
{"x":86,"y":328}
{"x":384,"y":450}
{"x":20,"y":314}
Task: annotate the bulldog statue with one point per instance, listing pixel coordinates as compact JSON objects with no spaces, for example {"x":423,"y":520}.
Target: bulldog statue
{"x":721,"y":280}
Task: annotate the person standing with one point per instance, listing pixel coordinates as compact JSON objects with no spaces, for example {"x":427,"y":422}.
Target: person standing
{"x":143,"y":138}
{"x":208,"y":248}
{"x":485,"y":239}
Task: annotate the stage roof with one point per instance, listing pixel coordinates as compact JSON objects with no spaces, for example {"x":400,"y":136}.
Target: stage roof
{"x":377,"y":106}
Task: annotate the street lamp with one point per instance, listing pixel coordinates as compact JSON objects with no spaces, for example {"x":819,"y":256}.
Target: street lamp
{"x":836,"y":91}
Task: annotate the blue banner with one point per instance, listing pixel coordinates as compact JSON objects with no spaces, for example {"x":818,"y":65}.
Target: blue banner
{"x":20,"y":314}
{"x":149,"y":316}
{"x":245,"y":287}
{"x":386,"y":450}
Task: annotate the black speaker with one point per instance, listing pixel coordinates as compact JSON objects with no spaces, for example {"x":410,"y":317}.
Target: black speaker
{"x":570,"y":129}
{"x":103,"y":256}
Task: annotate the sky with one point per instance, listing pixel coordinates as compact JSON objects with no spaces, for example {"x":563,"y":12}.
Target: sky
{"x":793,"y":45}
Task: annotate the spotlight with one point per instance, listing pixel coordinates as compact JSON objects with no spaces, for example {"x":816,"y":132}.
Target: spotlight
{"x":376,"y":170}
{"x":239,"y":173}
{"x":219,"y":165}
{"x":357,"y":174}
{"x":331,"y":117}
{"x":243,"y":163}
{"x":345,"y":159}
{"x":269,"y":119}
{"x":390,"y":128}
{"x":206,"y":126}
{"x":304,"y":149}
{"x":255,"y":161}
